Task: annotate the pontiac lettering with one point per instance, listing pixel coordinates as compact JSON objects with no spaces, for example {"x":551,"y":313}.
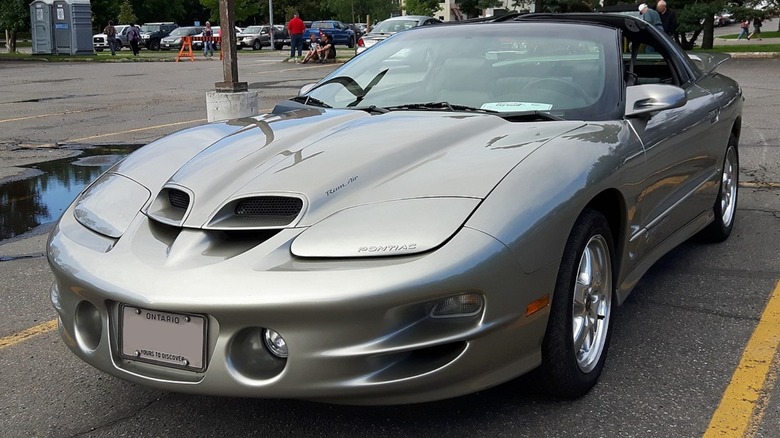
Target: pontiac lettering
{"x":173,"y":319}
{"x":388,"y":248}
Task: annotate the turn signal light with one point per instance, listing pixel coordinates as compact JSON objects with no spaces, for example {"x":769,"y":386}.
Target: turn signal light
{"x":537,"y":305}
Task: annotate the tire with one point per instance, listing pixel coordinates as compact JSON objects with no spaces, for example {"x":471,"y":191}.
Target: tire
{"x":118,"y":47}
{"x":725,"y":208}
{"x":278,"y":46}
{"x":581,"y":309}
{"x":256,"y":45}
{"x":98,"y":50}
{"x":351,"y":43}
{"x":154,"y":45}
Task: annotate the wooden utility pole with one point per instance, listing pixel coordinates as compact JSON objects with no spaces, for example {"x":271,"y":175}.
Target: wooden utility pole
{"x":227,"y":18}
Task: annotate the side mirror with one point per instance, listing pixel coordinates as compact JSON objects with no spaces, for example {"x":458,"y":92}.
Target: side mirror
{"x":645,"y":99}
{"x":305,"y":89}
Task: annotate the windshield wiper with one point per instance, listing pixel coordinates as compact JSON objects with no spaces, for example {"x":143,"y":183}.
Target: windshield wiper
{"x":373,"y":109}
{"x":515,"y":116}
{"x":308,"y":100}
{"x":439,"y":106}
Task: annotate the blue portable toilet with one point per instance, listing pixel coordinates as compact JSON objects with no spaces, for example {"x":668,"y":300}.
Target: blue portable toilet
{"x":41,"y":26}
{"x":72,"y":23}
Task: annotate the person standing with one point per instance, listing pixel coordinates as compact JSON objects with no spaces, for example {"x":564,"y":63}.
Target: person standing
{"x":134,"y":36}
{"x":110,"y":32}
{"x":744,"y":26}
{"x":296,"y":27}
{"x":668,"y":18}
{"x":208,"y":40}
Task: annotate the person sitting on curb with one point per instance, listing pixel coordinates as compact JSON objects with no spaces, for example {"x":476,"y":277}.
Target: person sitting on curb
{"x":326,"y":51}
{"x":312,"y":53}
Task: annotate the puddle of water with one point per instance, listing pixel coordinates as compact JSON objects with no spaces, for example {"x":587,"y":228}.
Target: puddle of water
{"x":39,"y":200}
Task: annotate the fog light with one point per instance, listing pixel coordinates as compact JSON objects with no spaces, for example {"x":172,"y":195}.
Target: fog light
{"x":88,"y":326}
{"x":275,"y":343}
{"x":458,"y":306}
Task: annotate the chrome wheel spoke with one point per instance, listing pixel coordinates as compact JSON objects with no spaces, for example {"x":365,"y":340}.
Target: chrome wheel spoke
{"x":728,"y":188}
{"x":581,"y":332}
{"x":592,"y":297}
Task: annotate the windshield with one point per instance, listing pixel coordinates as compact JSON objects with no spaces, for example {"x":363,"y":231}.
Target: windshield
{"x":322,"y":25}
{"x":120,"y":28}
{"x":568,"y":70}
{"x":392,"y":26}
{"x":149,"y":28}
{"x":252,"y":29}
{"x":179,"y":31}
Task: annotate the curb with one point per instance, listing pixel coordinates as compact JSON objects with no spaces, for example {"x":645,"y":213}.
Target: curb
{"x":754,"y":55}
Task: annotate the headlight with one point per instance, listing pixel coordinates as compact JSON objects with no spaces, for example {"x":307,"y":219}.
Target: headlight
{"x":391,"y":228}
{"x":177,"y":41}
{"x":110,"y":204}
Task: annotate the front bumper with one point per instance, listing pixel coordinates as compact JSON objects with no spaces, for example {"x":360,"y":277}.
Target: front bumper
{"x":358,"y":330}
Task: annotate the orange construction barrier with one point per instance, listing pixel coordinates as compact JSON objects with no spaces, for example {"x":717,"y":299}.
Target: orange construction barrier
{"x":186,"y":47}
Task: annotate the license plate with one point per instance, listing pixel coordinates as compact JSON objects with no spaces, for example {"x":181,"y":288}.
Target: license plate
{"x":170,"y":339}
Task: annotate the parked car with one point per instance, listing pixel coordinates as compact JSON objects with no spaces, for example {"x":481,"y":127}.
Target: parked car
{"x":255,"y":37}
{"x":339,"y":32}
{"x":392,"y":26}
{"x":100,"y":41}
{"x":153,"y":33}
{"x":197,"y":44}
{"x":506,"y":206}
{"x":281,"y":36}
{"x":356,"y":29}
{"x":174,"y":40}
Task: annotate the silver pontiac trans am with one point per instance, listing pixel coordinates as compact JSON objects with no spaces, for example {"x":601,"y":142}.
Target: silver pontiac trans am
{"x":458,"y":206}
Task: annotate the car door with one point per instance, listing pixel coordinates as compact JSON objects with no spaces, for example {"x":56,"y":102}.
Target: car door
{"x":681,"y":162}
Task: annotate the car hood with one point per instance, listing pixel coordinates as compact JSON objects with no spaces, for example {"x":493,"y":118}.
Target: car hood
{"x":337,"y":159}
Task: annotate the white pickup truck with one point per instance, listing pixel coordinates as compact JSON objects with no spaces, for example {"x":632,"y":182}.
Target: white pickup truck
{"x":100,"y":41}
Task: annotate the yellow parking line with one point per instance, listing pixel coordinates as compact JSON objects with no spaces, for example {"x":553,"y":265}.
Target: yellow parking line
{"x":746,"y":398}
{"x":759,"y":184}
{"x":40,"y":116}
{"x":27,"y":334}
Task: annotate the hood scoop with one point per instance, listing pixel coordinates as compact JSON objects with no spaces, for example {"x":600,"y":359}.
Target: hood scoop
{"x":258,"y":212}
{"x":173,"y":204}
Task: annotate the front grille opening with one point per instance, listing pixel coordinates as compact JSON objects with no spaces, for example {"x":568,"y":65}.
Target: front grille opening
{"x":227,"y":244}
{"x":178,"y":199}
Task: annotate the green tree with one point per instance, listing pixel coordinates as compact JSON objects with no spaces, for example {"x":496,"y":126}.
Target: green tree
{"x":475,"y":8}
{"x":126,"y":14}
{"x":14,"y":18}
{"x":421,"y":7}
{"x":243,"y":9}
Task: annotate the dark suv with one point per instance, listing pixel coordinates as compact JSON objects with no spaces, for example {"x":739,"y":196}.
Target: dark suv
{"x":152,"y":33}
